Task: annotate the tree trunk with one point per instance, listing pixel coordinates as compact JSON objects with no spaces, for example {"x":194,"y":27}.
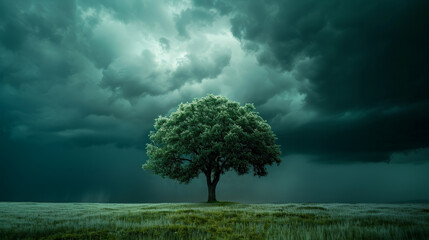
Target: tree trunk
{"x":211,"y":186}
{"x":212,"y":192}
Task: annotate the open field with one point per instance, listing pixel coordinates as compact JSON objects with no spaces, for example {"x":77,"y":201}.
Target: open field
{"x":213,"y":221}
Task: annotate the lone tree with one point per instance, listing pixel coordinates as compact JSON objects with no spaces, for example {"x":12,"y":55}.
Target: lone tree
{"x":211,"y":135}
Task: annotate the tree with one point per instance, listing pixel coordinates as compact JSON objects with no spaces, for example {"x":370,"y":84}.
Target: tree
{"x":211,"y":135}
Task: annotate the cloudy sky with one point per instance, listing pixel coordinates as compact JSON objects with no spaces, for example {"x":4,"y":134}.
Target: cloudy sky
{"x":344,"y":85}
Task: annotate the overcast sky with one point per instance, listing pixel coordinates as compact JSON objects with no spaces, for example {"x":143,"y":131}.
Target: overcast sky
{"x":344,"y":85}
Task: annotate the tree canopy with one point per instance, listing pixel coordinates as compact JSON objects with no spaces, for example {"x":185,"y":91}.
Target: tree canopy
{"x":211,"y":135}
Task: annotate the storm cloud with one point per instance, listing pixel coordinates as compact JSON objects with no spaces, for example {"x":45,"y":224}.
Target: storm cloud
{"x":368,"y":70}
{"x":340,"y":82}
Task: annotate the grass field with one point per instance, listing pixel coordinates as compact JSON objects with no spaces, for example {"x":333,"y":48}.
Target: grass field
{"x":213,"y":221}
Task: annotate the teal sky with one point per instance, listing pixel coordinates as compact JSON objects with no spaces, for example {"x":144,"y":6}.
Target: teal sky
{"x":342,"y":83}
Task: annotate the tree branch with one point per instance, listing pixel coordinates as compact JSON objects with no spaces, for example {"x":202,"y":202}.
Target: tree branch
{"x":223,"y":164}
{"x":183,"y":159}
{"x":195,"y":151}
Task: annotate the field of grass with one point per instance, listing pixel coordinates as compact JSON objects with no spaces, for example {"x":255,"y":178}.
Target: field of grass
{"x":213,"y":221}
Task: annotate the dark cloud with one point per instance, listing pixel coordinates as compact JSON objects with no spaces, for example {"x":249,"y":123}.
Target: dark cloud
{"x":165,"y":44}
{"x":197,"y":68}
{"x":321,"y":61}
{"x":197,"y":17}
{"x":371,"y":136}
{"x":368,"y":58}
{"x":70,"y":72}
{"x":133,"y":77}
{"x":149,"y":13}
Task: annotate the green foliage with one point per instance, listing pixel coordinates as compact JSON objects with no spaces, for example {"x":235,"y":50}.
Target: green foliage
{"x":211,"y":135}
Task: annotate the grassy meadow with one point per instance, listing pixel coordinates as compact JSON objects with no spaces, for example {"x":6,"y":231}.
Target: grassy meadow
{"x":213,"y":221}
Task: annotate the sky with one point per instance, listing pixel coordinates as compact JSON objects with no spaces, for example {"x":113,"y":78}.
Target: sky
{"x":343,"y":84}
